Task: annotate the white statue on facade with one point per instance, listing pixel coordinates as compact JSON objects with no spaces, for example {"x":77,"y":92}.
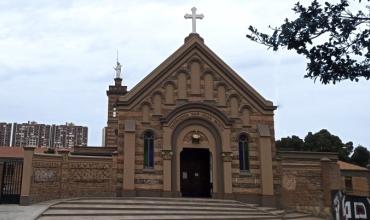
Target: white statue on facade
{"x":118,"y":69}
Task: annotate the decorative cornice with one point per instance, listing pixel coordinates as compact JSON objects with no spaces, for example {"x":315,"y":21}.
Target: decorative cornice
{"x":194,"y":106}
{"x":117,"y":90}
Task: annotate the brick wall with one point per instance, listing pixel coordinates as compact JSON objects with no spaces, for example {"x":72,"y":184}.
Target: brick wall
{"x":306,"y":181}
{"x":45,"y":178}
{"x":360,"y":182}
{"x":62,"y":175}
{"x":360,"y":186}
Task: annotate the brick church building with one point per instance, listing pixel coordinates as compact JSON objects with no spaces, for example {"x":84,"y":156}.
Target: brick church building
{"x":193,"y":127}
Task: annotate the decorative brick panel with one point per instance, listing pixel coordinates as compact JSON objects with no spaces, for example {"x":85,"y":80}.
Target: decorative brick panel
{"x":56,"y":177}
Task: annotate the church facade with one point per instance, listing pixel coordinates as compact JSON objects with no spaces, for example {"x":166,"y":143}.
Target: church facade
{"x":193,"y":128}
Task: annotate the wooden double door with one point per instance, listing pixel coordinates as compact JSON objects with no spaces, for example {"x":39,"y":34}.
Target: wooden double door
{"x":195,"y":172}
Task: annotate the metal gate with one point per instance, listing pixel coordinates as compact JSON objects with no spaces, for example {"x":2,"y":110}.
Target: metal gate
{"x":11,"y":181}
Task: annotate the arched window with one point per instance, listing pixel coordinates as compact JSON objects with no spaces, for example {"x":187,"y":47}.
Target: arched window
{"x":243,"y":152}
{"x":148,"y":149}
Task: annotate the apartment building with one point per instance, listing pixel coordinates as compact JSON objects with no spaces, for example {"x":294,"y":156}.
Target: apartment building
{"x":5,"y":133}
{"x":34,"y":134}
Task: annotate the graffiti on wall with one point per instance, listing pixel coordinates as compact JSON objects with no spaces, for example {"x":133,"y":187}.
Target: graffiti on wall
{"x":350,"y":207}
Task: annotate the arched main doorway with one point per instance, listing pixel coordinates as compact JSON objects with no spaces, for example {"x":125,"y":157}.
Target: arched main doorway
{"x":197,"y":168}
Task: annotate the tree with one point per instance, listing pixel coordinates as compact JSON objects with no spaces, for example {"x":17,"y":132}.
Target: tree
{"x":360,"y":156}
{"x":290,"y":143}
{"x":321,"y":141}
{"x":334,"y":40}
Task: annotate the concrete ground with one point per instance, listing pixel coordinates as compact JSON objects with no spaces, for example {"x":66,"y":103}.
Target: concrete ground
{"x":17,"y":212}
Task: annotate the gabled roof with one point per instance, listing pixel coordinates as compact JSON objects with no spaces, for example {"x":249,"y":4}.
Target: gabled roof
{"x":194,"y":42}
{"x":349,"y":166}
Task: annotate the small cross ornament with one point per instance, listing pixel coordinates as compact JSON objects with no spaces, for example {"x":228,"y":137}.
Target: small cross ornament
{"x":193,"y":16}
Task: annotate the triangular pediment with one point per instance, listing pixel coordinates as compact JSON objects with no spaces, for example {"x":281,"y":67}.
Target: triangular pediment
{"x":194,"y":50}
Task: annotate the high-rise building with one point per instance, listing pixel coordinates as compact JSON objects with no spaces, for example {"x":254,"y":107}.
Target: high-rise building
{"x":69,"y":135}
{"x":5,"y":133}
{"x":41,"y":135}
{"x":31,"y":134}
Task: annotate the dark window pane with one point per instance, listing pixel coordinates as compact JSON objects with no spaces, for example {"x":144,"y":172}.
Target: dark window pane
{"x":151,"y":153}
{"x":146,"y":161}
{"x":148,"y":150}
{"x":241,"y":156}
{"x":243,"y":152}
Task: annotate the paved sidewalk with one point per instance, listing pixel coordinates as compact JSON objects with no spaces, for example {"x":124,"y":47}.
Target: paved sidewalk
{"x":17,"y":212}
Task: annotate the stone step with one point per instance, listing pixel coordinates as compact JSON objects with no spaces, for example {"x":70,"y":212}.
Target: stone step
{"x":296,"y":215}
{"x":146,"y":202}
{"x":183,"y":199}
{"x":308,"y":218}
{"x":87,"y":212}
{"x":194,"y":200}
{"x":267,"y":209}
{"x":277,"y":212}
{"x":162,"y":217}
{"x":144,"y":207}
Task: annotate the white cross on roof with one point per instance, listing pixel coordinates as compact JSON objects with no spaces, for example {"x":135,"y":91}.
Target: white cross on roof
{"x":193,"y":16}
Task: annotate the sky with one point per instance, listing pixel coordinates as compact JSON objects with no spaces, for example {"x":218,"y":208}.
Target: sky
{"x":57,"y":58}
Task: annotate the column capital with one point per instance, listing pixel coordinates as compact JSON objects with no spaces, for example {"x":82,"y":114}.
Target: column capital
{"x":227,"y":156}
{"x":167,"y":154}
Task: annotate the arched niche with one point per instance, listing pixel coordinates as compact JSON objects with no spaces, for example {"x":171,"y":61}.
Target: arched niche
{"x":157,"y":103}
{"x":195,"y":72}
{"x":246,"y":111}
{"x":145,"y":108}
{"x":182,"y":85}
{"x":221,"y":94}
{"x":234,"y":105}
{"x":208,"y":86}
{"x":169,"y":96}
